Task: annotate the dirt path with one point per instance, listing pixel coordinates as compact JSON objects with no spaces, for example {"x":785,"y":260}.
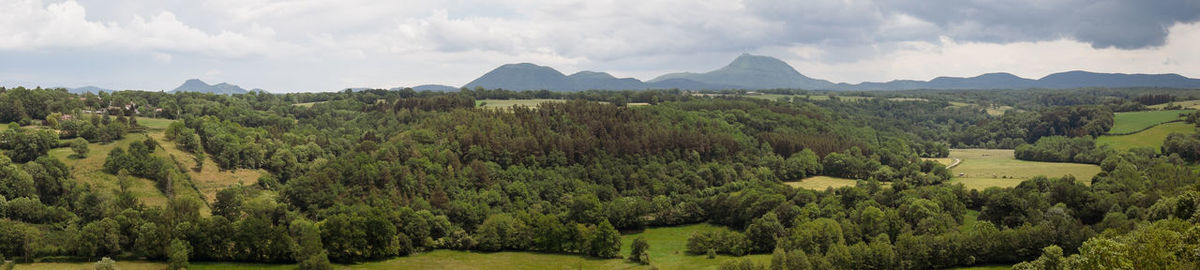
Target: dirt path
{"x":955,"y":163}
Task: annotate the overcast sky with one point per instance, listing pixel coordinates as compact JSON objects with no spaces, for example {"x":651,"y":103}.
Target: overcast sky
{"x":321,"y":45}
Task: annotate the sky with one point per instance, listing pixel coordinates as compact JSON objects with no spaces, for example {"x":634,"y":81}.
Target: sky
{"x":326,"y":45}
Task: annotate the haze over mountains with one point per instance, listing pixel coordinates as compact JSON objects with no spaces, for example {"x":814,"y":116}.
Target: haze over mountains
{"x":753,"y":72}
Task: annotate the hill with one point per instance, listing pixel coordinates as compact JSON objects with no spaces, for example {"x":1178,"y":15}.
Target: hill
{"x":753,"y":72}
{"x":89,"y":89}
{"x":196,"y":85}
{"x":764,"y":72}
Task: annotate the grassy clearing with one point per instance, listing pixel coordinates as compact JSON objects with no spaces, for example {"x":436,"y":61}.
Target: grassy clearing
{"x":211,"y":179}
{"x":668,"y":248}
{"x":1126,"y":122}
{"x":155,"y":123}
{"x":983,"y":168}
{"x":1189,"y":104}
{"x":1152,"y":138}
{"x":943,"y":161}
{"x":307,"y":104}
{"x":991,"y":110}
{"x":89,"y":170}
{"x":821,"y":183}
{"x":969,"y":220}
{"x":507,"y":103}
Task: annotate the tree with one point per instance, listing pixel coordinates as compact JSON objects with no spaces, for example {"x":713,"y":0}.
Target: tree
{"x":607,"y":241}
{"x":80,"y":147}
{"x":106,"y":264}
{"x":310,"y":253}
{"x":639,"y":251}
{"x":763,"y":232}
{"x":177,"y":254}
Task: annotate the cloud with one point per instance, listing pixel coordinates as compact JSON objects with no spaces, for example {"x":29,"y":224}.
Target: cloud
{"x":329,"y":44}
{"x":30,"y":25}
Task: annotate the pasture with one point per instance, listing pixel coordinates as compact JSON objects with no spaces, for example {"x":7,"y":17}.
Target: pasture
{"x":211,"y":179}
{"x":1187,"y":104}
{"x":984,"y":168}
{"x":1127,"y":122}
{"x":1152,"y":138}
{"x":821,"y":183}
{"x":89,"y":170}
{"x":668,"y":248}
{"x":155,"y":123}
{"x":307,"y":104}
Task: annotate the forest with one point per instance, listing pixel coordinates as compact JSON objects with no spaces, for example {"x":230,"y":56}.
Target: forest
{"x":361,"y":176}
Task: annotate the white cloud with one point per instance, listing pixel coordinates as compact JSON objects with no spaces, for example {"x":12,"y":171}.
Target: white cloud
{"x":330,"y":44}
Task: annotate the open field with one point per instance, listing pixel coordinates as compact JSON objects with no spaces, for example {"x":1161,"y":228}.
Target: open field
{"x":943,"y":161}
{"x":506,"y":103}
{"x":155,"y":123}
{"x":993,"y":111}
{"x":89,"y":170}
{"x":1127,"y":122}
{"x":211,"y":179}
{"x":668,"y":246}
{"x":307,"y":104}
{"x":983,"y":168}
{"x":821,"y":183}
{"x":1152,"y":138}
{"x":1188,"y":104}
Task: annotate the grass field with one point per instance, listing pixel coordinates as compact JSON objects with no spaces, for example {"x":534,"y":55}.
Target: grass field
{"x":89,"y":170}
{"x":1189,"y":104}
{"x":993,"y":111}
{"x":307,"y":104}
{"x":155,"y":123}
{"x":983,"y":168}
{"x":211,"y":179}
{"x":821,"y":183}
{"x":1152,"y":138}
{"x":943,"y":161}
{"x":1126,"y":122}
{"x":507,"y":103}
{"x":668,"y":246}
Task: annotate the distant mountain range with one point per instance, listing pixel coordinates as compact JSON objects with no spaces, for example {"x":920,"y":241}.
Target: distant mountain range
{"x":89,"y":89}
{"x":754,"y":72}
{"x":196,"y":85}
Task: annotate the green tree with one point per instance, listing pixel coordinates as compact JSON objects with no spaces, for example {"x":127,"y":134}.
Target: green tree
{"x":639,"y":251}
{"x":80,"y":147}
{"x":177,"y":254}
{"x":106,"y":264}
{"x":607,"y":241}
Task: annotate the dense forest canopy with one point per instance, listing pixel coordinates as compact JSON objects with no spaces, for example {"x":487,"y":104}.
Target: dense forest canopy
{"x":367,"y":175}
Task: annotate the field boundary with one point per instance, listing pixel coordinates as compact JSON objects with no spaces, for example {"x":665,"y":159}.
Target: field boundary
{"x":1144,"y":129}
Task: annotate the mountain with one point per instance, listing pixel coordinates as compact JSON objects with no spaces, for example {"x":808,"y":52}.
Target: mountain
{"x":434,"y":88}
{"x":195,"y":85}
{"x":1075,"y":79}
{"x":523,"y":76}
{"x":753,"y":72}
{"x":763,"y":72}
{"x":89,"y":88}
